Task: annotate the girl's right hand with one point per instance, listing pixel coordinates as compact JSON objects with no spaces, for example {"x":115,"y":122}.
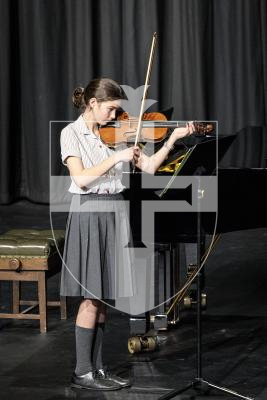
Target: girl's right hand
{"x":129,"y":154}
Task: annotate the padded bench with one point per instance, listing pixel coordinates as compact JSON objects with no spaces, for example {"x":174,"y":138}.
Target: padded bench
{"x":31,"y":255}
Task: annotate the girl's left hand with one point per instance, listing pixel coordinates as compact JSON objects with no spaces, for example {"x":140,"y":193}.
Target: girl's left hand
{"x":179,"y":133}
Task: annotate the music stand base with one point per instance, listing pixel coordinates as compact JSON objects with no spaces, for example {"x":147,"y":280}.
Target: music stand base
{"x":203,"y":387}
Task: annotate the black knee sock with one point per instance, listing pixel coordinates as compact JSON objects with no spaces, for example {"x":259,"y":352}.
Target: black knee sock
{"x":84,"y":341}
{"x":98,"y":344}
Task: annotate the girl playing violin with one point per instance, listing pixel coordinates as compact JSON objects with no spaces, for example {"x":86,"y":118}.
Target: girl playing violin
{"x":89,"y":253}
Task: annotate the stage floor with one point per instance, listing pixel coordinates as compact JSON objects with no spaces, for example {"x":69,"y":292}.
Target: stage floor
{"x":39,"y":366}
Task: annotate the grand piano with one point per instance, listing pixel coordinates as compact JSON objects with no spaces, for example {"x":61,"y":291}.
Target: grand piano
{"x":242,"y":204}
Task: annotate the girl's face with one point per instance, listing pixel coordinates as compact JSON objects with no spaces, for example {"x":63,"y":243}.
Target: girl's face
{"x":104,"y":111}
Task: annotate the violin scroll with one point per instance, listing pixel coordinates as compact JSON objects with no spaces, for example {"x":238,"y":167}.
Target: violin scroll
{"x":204,"y":128}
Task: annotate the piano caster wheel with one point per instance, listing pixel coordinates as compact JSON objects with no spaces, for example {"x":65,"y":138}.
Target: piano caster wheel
{"x":136,"y":344}
{"x":189,"y":301}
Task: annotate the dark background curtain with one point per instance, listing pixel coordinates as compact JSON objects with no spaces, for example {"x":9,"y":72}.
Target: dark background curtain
{"x":210,"y":64}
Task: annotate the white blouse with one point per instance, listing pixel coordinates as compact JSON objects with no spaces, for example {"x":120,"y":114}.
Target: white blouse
{"x":77,"y":140}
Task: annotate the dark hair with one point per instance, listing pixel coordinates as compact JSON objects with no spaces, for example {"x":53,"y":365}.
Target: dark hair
{"x":103,"y":89}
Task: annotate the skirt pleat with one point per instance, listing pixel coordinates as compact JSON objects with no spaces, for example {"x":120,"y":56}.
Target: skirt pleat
{"x":97,"y":263}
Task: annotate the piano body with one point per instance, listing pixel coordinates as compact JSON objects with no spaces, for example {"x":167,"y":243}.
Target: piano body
{"x":242,"y":204}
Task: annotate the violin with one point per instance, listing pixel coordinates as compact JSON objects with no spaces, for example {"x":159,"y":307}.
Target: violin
{"x":154,"y":128}
{"x":148,"y":127}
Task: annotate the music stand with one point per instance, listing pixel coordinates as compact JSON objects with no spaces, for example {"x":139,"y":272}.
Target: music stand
{"x":202,"y":161}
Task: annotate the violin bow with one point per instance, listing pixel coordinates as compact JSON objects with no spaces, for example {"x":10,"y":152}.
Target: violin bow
{"x":148,"y":74}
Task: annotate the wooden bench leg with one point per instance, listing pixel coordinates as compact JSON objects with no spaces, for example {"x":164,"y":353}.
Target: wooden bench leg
{"x":42,"y":301}
{"x":15,"y":296}
{"x":63,"y":307}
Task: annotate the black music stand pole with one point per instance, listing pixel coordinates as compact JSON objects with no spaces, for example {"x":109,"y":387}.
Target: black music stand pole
{"x":200,"y":384}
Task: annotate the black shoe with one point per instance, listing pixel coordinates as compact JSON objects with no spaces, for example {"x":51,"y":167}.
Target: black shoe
{"x":93,"y":382}
{"x":104,"y":374}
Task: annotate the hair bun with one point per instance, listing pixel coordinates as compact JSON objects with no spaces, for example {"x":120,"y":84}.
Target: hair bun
{"x":78,"y":97}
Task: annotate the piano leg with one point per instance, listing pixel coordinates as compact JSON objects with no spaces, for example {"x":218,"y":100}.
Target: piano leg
{"x":167,"y":282}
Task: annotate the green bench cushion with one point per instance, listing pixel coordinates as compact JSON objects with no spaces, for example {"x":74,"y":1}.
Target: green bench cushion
{"x":30,"y":242}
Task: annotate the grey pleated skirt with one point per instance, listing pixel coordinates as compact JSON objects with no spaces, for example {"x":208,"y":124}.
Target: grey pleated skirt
{"x":97,"y":260}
